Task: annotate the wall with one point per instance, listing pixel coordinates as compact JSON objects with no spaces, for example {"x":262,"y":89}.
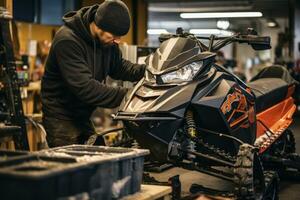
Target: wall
{"x":141,"y":22}
{"x":28,"y":31}
{"x":273,"y":33}
{"x":297,"y":31}
{"x":7,"y":4}
{"x":128,"y":38}
{"x":244,"y":51}
{"x":43,"y":32}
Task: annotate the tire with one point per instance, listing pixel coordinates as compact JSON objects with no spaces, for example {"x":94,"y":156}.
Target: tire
{"x":272,"y":185}
{"x":291,"y":143}
{"x":248,"y":174}
{"x":281,"y":148}
{"x":284,"y":145}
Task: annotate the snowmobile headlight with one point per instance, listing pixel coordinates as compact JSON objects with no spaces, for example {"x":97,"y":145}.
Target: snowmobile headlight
{"x":185,"y":73}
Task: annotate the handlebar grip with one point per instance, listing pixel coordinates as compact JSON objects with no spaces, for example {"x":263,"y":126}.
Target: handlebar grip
{"x":257,"y":42}
{"x":254,"y":39}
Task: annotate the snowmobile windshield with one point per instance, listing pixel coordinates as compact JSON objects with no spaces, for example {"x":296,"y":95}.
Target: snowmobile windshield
{"x":176,"y":60}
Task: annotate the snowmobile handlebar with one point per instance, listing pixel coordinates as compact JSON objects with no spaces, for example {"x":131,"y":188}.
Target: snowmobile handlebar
{"x":256,"y":42}
{"x":251,"y":38}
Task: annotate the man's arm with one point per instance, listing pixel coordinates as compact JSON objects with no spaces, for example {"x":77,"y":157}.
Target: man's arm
{"x":79,"y":80}
{"x":125,"y":70}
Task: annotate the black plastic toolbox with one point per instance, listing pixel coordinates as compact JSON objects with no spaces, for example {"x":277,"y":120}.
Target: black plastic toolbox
{"x":73,"y":172}
{"x":126,"y":171}
{"x":6,"y":155}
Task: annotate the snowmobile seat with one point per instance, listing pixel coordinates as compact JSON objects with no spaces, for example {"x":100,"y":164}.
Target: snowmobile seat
{"x":268,"y":92}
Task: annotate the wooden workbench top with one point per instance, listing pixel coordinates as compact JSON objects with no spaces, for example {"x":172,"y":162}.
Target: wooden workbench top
{"x":151,"y":192}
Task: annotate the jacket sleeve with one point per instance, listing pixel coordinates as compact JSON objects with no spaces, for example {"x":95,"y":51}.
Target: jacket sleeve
{"x":78,"y":77}
{"x":125,"y":70}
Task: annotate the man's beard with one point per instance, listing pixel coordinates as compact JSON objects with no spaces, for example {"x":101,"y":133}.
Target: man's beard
{"x":103,"y":44}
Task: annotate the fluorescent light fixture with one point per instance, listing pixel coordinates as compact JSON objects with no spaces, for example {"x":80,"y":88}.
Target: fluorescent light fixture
{"x":220,"y":15}
{"x":156,"y":31}
{"x":223,"y":24}
{"x":154,"y":8}
{"x":210,"y":32}
{"x":272,"y":23}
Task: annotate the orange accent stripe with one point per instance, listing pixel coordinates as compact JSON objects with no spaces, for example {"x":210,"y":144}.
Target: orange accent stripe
{"x":276,"y":117}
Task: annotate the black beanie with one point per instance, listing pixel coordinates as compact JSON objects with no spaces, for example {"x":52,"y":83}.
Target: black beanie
{"x":113,"y":16}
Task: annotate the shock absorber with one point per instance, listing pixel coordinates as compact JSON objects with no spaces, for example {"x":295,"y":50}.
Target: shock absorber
{"x":135,"y":144}
{"x":191,"y":131}
{"x":189,"y":117}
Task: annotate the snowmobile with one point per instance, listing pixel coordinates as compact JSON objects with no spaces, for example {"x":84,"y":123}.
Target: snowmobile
{"x":191,"y":112}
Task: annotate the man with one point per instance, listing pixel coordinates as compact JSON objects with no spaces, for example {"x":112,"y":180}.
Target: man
{"x":83,"y":53}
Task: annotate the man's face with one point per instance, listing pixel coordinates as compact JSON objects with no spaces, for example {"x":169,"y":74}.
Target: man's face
{"x":104,"y":37}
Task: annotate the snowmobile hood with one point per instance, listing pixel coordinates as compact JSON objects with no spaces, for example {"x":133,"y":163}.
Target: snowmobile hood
{"x":144,"y":99}
{"x":174,"y":54}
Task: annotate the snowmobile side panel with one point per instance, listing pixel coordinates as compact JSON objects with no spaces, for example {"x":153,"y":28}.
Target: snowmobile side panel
{"x":231,"y":107}
{"x":272,"y":123}
{"x":274,"y":116}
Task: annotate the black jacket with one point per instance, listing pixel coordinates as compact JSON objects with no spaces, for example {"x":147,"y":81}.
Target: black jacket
{"x":76,"y":68}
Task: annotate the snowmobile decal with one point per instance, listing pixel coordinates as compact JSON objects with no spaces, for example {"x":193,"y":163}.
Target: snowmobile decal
{"x":235,"y":107}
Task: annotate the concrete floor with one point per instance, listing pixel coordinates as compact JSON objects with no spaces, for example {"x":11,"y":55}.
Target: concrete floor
{"x":288,"y":189}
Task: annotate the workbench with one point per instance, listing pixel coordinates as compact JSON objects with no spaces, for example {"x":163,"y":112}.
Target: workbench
{"x":151,"y":192}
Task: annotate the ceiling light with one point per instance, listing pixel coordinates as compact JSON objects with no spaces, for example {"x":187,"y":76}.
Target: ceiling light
{"x":223,"y":24}
{"x":271,"y":23}
{"x":220,"y":15}
{"x":210,"y":32}
{"x":157,"y":31}
{"x":196,"y":8}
